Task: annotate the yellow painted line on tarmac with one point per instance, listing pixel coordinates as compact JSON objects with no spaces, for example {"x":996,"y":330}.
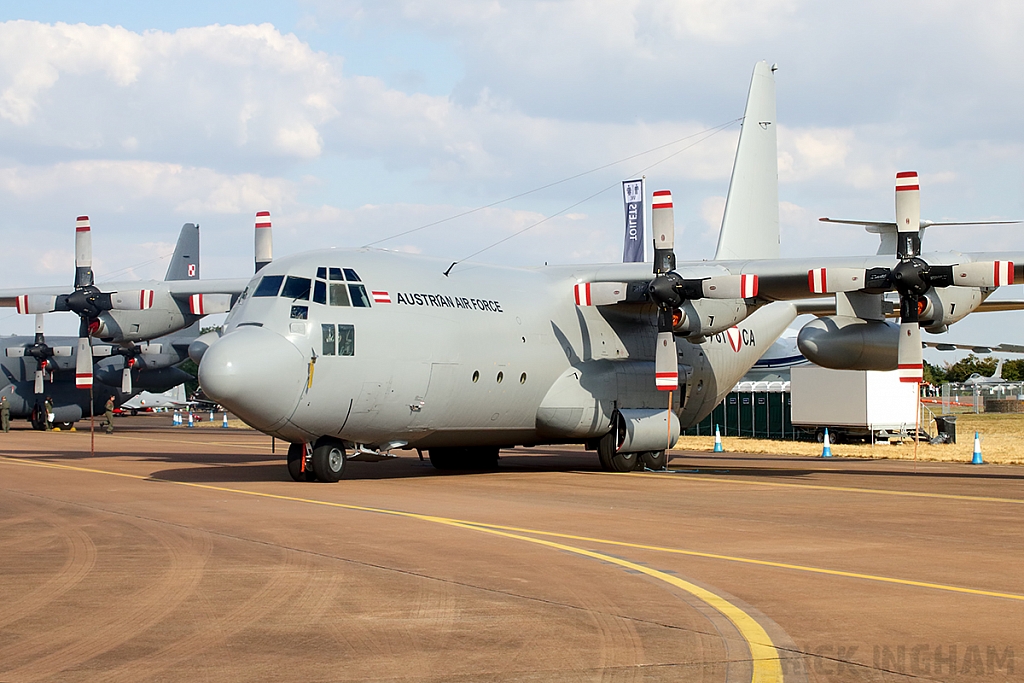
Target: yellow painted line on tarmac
{"x":819,"y":487}
{"x":222,"y":444}
{"x":766,"y":667}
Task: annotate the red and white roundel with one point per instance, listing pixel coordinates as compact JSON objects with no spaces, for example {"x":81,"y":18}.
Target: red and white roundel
{"x":735,"y":338}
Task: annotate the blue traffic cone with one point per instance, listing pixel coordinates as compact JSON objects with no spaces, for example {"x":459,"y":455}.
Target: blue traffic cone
{"x":190,"y":420}
{"x":224,"y":424}
{"x":976,"y":459}
{"x":718,"y":441}
{"x":175,"y":419}
{"x":826,"y":452}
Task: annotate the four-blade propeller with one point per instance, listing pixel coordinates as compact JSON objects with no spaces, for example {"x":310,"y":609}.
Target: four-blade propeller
{"x":668,"y":290}
{"x":42,"y":352}
{"x":912,"y":277}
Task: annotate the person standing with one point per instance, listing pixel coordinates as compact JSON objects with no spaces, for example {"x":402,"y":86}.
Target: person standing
{"x":5,"y":414}
{"x":109,"y":415}
{"x":48,"y":414}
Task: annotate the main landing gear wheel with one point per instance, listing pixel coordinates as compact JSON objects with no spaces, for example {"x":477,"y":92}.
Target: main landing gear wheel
{"x":480,"y":458}
{"x":296,"y":453}
{"x":654,"y":460}
{"x":329,"y":460}
{"x":612,"y":460}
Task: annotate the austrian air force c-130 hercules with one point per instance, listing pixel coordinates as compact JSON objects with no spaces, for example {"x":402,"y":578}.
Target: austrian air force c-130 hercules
{"x":348,"y":354}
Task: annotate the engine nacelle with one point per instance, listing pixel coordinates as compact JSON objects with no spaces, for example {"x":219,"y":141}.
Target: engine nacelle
{"x":705,"y":317}
{"x":947,"y":305}
{"x":133,"y":326}
{"x":846,"y":343}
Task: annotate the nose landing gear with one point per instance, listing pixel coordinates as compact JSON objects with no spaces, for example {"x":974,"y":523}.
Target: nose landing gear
{"x":323,"y":461}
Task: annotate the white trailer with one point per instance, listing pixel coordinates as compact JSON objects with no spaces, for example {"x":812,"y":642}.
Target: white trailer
{"x":862,"y":403}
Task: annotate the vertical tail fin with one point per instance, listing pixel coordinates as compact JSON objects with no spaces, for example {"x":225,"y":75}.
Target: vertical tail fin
{"x":750,"y":227}
{"x":184,"y":264}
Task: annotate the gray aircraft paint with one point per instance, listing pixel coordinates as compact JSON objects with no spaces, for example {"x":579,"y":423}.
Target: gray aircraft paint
{"x":563,"y":368}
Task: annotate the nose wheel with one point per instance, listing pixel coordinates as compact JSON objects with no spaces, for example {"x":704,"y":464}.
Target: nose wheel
{"x":325,"y":461}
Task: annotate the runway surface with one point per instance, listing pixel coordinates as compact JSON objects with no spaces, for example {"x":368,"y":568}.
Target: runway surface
{"x":177,"y":554}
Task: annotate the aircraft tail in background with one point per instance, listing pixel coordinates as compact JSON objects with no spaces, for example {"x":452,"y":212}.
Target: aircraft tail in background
{"x":750,"y":226}
{"x":184,"y":264}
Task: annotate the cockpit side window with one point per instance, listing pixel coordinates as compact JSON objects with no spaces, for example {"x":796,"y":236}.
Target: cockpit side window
{"x":270,"y":285}
{"x":346,"y":340}
{"x":296,"y":288}
{"x":328,"y":340}
{"x":359,"y":298}
{"x":320,"y":292}
{"x":351,"y":275}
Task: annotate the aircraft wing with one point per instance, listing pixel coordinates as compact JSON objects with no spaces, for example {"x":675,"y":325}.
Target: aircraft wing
{"x":177,"y":288}
{"x":183,"y":288}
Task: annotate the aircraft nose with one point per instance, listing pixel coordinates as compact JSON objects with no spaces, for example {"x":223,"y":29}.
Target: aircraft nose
{"x":255,"y":373}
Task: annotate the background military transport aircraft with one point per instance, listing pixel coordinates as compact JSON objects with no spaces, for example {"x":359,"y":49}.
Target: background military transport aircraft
{"x":350,"y":353}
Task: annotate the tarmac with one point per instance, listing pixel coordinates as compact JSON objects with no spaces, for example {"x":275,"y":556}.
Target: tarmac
{"x":189,"y":554}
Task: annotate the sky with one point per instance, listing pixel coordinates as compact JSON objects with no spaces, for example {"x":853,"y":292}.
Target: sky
{"x":355,"y":121}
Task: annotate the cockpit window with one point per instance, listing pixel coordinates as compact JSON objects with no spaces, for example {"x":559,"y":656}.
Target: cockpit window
{"x":321,"y":273}
{"x":339,"y":294}
{"x":270,"y":285}
{"x":359,"y":298}
{"x":351,"y":275}
{"x":329,"y":341}
{"x":336,"y":274}
{"x":346,"y":340}
{"x":296,"y":288}
{"x":319,"y":292}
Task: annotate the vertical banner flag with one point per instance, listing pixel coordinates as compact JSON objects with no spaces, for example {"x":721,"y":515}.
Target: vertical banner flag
{"x":633,"y":196}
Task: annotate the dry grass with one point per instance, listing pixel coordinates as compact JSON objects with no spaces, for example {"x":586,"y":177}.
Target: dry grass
{"x":1002,"y":441}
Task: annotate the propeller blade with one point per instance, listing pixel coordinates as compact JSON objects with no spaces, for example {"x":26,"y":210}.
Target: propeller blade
{"x":83,"y":253}
{"x":15,"y":351}
{"x":206,"y":304}
{"x":63,"y":351}
{"x":908,"y":215}
{"x":831,"y":280}
{"x":152,"y":349}
{"x":264,"y":240}
{"x":83,"y":364}
{"x":102,"y":350}
{"x":730,"y":287}
{"x":40,"y":334}
{"x":599,"y":293}
{"x":664,"y":229}
{"x":39,"y":388}
{"x":983,"y":274}
{"x":666,"y":363}
{"x":126,"y":380}
{"x":35,"y":303}
{"x":132,"y":300}
{"x":910,"y":361}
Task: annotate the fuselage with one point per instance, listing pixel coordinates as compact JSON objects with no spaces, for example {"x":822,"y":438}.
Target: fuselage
{"x":380,"y":348}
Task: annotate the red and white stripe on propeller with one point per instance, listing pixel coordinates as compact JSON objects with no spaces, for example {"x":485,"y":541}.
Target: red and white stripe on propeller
{"x":666,"y":363}
{"x":264,"y":240}
{"x":83,"y":364}
{"x":35,"y":303}
{"x":663,"y":228}
{"x":730,"y":287}
{"x":908,"y":213}
{"x":83,"y":252}
{"x":910,"y":361}
{"x":831,"y":280}
{"x":207,"y":304}
{"x":983,"y":274}
{"x":599,"y":293}
{"x":132,"y":300}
